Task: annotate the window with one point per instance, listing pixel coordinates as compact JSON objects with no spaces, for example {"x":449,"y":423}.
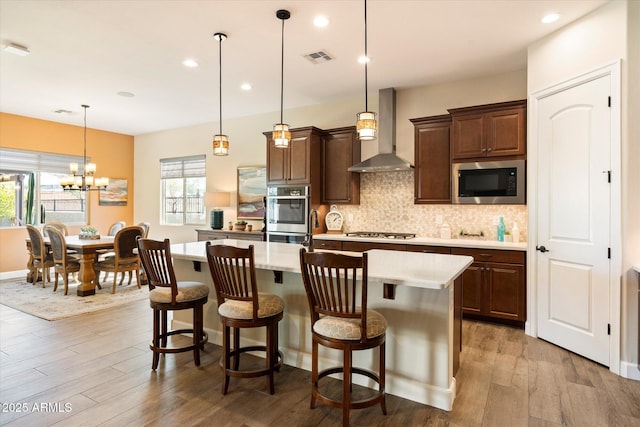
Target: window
{"x":30,"y":192}
{"x":183,"y":186}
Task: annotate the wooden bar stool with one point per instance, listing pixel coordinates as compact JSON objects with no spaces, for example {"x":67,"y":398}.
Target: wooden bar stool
{"x":165,"y":294}
{"x":338,"y":322}
{"x":241,"y":306}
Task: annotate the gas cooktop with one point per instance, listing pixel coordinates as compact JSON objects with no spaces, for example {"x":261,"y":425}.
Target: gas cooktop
{"x":381,"y":235}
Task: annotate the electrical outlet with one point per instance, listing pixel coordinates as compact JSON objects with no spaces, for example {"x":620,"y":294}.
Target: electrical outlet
{"x":496,"y":220}
{"x":350,"y":217}
{"x":438,"y":219}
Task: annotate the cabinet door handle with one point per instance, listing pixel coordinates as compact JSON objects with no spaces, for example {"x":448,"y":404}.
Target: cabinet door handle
{"x":485,"y":255}
{"x":488,"y":149}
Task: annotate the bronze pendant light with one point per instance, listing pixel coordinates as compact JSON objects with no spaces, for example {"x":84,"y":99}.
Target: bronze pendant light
{"x":281,"y":134}
{"x":366,"y":124}
{"x":220,"y":141}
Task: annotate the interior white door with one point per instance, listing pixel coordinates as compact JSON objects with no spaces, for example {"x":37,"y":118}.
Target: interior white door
{"x":574,"y":219}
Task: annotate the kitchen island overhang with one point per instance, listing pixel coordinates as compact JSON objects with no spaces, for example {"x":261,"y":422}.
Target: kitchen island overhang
{"x":413,"y":291}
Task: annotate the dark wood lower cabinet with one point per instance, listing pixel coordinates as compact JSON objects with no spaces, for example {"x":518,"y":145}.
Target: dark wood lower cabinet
{"x":494,"y":286}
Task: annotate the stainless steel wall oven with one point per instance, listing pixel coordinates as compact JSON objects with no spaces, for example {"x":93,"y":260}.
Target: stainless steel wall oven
{"x":287,"y":213}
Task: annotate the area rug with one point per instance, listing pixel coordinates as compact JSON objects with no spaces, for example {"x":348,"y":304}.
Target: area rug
{"x":49,"y":305}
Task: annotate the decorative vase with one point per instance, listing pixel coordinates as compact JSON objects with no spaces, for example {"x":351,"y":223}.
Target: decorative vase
{"x":217,"y":217}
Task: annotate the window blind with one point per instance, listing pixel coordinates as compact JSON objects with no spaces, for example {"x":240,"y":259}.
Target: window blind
{"x":182,"y":167}
{"x":34,"y":161}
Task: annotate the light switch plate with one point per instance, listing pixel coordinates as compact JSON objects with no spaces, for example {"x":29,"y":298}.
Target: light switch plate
{"x":438,"y":219}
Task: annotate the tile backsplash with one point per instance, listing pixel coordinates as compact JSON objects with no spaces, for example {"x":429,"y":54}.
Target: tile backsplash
{"x":386,"y":204}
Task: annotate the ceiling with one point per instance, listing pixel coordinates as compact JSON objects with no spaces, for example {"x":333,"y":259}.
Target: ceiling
{"x":86,"y":52}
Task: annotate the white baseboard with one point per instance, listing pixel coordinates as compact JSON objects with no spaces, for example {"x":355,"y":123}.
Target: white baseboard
{"x":18,"y":274}
{"x":629,"y":370}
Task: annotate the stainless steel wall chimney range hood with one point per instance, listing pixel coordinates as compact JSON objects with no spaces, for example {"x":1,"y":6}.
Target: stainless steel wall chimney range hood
{"x":386,"y":159}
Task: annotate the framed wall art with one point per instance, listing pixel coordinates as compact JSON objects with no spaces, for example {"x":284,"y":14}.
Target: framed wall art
{"x":252,"y":188}
{"x":116,"y":193}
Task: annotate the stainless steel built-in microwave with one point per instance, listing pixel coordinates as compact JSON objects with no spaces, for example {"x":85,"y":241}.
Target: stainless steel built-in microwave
{"x":498,"y":183}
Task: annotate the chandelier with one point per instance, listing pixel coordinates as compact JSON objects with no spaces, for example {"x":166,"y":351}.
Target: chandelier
{"x":84,"y":181}
{"x":366,"y":121}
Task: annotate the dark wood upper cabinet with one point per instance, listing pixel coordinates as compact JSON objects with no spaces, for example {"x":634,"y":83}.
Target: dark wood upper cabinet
{"x":297,"y":164}
{"x":432,"y":148}
{"x":493,"y":130}
{"x":340,"y":150}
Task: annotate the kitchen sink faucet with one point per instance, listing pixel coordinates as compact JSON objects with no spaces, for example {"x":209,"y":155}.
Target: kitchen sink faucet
{"x":313,"y":223}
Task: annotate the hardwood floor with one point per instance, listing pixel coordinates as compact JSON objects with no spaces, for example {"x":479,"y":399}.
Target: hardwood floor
{"x":95,"y":369}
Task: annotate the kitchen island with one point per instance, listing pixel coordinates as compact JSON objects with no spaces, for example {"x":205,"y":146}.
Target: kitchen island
{"x":413,"y":291}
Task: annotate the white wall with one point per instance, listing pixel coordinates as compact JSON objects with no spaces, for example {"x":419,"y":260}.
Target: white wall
{"x":602,"y":37}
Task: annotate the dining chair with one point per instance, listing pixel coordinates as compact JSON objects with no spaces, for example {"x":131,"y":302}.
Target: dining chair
{"x":124,"y":259}
{"x":57,"y":225}
{"x":64,"y":263}
{"x":240,"y":305}
{"x":103,"y":254}
{"x":167,"y":294}
{"x":115,"y":227}
{"x":340,"y":320}
{"x":145,"y":227}
{"x":42,"y":258}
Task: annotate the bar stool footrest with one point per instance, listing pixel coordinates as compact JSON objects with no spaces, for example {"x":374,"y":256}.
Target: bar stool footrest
{"x":253,"y":373}
{"x":355,"y":404}
{"x":190,"y":347}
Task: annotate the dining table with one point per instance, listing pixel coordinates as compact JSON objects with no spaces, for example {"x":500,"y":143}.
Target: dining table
{"x":86,"y":250}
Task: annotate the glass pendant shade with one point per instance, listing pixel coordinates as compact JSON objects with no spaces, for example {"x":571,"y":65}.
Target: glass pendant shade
{"x":367,"y":126}
{"x":220,"y":145}
{"x":281,"y":135}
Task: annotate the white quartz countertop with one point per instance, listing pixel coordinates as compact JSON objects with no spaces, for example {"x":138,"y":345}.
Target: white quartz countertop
{"x":415,"y":269}
{"x":458,"y":243}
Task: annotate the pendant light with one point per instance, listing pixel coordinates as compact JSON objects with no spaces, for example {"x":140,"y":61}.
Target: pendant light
{"x":84,"y":181}
{"x":366,"y":124}
{"x":281,"y":134}
{"x":220,"y":141}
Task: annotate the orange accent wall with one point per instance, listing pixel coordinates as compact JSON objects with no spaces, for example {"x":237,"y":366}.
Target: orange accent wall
{"x":112,"y":153}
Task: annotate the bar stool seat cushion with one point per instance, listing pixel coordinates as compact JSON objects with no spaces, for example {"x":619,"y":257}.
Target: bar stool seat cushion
{"x":187,"y":291}
{"x":268,"y":305}
{"x":341,"y":328}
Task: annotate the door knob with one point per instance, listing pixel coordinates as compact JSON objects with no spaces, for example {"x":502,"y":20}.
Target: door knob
{"x":541,"y":249}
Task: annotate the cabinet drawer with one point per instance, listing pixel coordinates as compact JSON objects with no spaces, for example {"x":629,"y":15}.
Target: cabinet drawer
{"x":492,"y":255}
{"x":335,"y":245}
{"x":365,"y":246}
{"x":429,"y":249}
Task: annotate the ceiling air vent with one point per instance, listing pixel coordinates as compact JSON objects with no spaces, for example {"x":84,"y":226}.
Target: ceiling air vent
{"x":319,"y":57}
{"x":62,"y":111}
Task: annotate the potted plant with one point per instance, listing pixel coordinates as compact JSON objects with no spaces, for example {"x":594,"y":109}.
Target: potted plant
{"x":240,"y":225}
{"x":89,"y":233}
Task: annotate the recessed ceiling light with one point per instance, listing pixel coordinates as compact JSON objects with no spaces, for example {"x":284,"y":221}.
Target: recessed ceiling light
{"x":363,"y":59}
{"x":245,"y":86}
{"x":191,"y":63}
{"x":16,"y":49}
{"x":548,"y":19}
{"x":126,"y":94}
{"x":320,"y":21}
